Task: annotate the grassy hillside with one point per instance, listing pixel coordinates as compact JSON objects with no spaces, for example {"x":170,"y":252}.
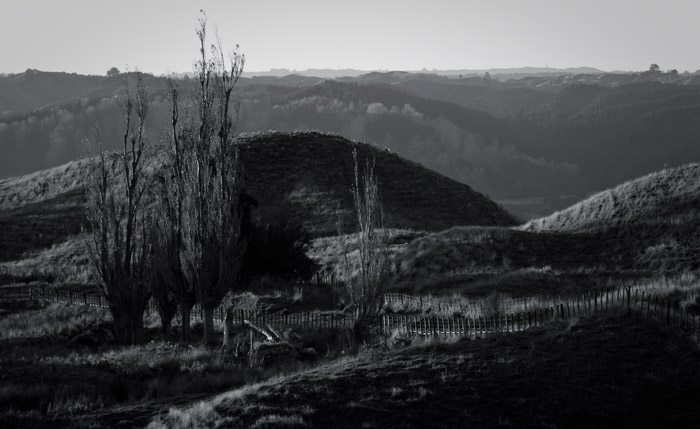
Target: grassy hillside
{"x":648,"y":225}
{"x":664,"y":198}
{"x":479,"y":261}
{"x":609,"y":371}
{"x":301,"y":177}
{"x":43,"y":185}
{"x":308,"y":176}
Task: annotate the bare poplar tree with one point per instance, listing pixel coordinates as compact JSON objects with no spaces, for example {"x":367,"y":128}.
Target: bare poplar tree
{"x":169,"y":230}
{"x":118,"y":249}
{"x":208,"y":180}
{"x":365,"y":290}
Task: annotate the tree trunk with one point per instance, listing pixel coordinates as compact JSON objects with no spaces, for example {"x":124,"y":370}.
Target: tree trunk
{"x":166,"y":321}
{"x":121,"y":328}
{"x":167,"y":308}
{"x":136,"y":330}
{"x":208,"y":325}
{"x":185,"y":309}
{"x":127,"y":330}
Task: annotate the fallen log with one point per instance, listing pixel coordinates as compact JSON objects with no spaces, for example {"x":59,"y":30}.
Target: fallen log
{"x":267,"y":335}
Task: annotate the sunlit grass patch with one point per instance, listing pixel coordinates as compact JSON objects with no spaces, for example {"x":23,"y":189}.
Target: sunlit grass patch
{"x":279,"y":421}
{"x":55,"y":319}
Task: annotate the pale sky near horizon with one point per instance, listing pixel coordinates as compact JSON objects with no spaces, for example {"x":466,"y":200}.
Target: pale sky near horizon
{"x":157,"y":36}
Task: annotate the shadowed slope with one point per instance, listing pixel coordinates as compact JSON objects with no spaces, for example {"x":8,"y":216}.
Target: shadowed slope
{"x":302,"y":177}
{"x":619,"y":371}
{"x":308,"y":177}
{"x":651,"y":224}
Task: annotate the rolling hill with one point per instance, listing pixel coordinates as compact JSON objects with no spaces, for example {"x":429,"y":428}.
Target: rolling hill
{"x":656,"y":216}
{"x":34,"y":89}
{"x":533,"y":143}
{"x":616,"y":134}
{"x":307,"y":177}
{"x":466,"y":145}
{"x":301,"y":177}
{"x":647,"y":226}
{"x":668,"y":197}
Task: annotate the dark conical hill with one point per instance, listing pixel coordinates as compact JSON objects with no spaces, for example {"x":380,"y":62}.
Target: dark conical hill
{"x":309,"y":177}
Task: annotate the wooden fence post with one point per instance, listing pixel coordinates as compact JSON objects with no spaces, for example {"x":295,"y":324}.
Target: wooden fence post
{"x":629,"y":294}
{"x":595,"y":301}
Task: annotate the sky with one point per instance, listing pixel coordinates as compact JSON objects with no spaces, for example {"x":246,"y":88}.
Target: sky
{"x":158,"y":36}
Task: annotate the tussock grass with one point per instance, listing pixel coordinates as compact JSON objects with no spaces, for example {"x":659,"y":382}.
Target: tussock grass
{"x":38,"y":225}
{"x":53,"y":320}
{"x":667,"y":197}
{"x":329,"y":252}
{"x":65,"y":262}
{"x":44,"y":185}
{"x":280,"y":421}
{"x":480,"y":250}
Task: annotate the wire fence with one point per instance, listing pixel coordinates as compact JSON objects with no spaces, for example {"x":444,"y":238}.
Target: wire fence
{"x":643,"y":300}
{"x":315,"y":319}
{"x":535,"y":312}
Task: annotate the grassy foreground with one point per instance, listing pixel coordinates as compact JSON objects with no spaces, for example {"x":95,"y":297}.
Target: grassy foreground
{"x":609,"y":371}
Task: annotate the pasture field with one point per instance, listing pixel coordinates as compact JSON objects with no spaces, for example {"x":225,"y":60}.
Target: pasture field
{"x":613,"y":370}
{"x":59,"y":369}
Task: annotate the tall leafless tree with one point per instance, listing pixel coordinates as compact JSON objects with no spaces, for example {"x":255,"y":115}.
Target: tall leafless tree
{"x":119,"y":249}
{"x":207,"y":180}
{"x":169,"y":230}
{"x":365,"y":289}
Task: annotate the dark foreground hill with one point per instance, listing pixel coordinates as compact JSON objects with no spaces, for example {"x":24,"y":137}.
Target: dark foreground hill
{"x":299,"y":177}
{"x":620,"y":371}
